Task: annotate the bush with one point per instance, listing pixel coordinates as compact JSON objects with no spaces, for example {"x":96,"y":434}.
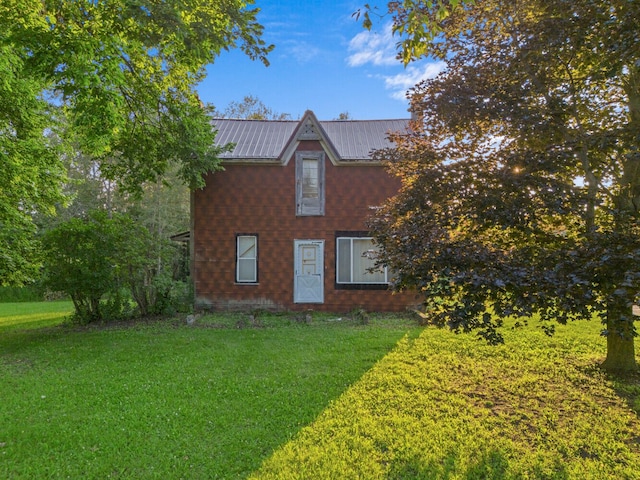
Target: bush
{"x":20,"y":294}
{"x":146,"y":265}
{"x":79,"y":260}
{"x":118,"y":305}
{"x":104,"y":263}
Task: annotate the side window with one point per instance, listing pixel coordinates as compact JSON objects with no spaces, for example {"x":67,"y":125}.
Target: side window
{"x":356,"y":262}
{"x":246,"y":258}
{"x":310,"y":183}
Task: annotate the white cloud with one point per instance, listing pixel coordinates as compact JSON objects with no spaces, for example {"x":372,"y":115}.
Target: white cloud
{"x":411,"y":76}
{"x":303,"y":52}
{"x":379,"y":49}
{"x":371,"y":47}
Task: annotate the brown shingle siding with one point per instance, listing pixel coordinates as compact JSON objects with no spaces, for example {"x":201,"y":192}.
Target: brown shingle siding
{"x":261,"y":199}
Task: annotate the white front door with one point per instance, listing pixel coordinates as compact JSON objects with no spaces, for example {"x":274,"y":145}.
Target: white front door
{"x":308,"y":283}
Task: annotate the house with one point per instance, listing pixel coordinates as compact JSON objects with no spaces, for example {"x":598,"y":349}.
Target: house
{"x":284,"y":225}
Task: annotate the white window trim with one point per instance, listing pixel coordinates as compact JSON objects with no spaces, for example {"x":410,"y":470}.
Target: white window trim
{"x":317,"y":210}
{"x":254,"y":258}
{"x":351,"y":239}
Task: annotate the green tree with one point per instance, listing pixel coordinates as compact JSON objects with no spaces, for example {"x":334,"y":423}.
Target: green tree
{"x":122,"y":74}
{"x":161,"y":206}
{"x":521,"y":184}
{"x":79,"y":261}
{"x":251,"y":108}
{"x":30,"y":171}
{"x":94,"y":258}
{"x":415,"y":22}
{"x":160,"y":210}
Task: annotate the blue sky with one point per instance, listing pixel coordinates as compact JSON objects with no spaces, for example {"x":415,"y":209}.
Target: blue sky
{"x":323,"y":61}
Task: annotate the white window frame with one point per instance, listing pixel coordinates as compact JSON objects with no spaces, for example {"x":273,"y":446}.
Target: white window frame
{"x":351,"y":263}
{"x":241,"y":258}
{"x":309,"y":206}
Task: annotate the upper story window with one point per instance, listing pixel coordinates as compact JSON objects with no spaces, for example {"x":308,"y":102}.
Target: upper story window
{"x":309,"y":183}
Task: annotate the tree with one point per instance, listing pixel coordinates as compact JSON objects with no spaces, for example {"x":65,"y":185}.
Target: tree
{"x":251,"y":108}
{"x":79,"y":261}
{"x":30,"y":171}
{"x":122,"y":75}
{"x":162,"y":206}
{"x":521,"y":183}
{"x":95,"y":258}
{"x":415,"y":22}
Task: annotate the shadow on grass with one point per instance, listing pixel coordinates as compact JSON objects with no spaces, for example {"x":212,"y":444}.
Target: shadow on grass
{"x":16,"y":341}
{"x":627,"y":386}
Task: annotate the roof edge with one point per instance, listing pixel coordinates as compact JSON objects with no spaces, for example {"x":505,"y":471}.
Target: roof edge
{"x":309,"y":128}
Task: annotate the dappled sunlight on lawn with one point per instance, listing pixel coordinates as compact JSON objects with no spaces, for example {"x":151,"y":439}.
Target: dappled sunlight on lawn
{"x":18,"y":316}
{"x":446,"y":405}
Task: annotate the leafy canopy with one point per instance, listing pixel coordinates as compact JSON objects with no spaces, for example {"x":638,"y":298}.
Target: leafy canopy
{"x":521,"y":183}
{"x":125,"y":74}
{"x":30,"y":171}
{"x":120,"y":76}
{"x":415,"y":22}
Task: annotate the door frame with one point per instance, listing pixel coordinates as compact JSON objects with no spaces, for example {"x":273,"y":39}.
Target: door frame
{"x":319,"y":244}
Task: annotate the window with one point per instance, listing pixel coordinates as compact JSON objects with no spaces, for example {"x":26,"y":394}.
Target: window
{"x":356,"y":263}
{"x":310,"y":178}
{"x":247,"y":258}
{"x":310,"y":183}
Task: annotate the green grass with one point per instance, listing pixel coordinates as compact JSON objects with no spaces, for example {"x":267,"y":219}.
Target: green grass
{"x":32,"y":315}
{"x":446,"y":406}
{"x":282,"y":398}
{"x":164,"y":400}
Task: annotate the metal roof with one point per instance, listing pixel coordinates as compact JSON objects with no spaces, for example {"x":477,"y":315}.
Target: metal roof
{"x":355,"y":139}
{"x":254,"y":138}
{"x":268,"y":139}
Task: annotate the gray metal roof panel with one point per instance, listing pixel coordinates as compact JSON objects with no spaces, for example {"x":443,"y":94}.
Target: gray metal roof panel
{"x":355,"y":139}
{"x":266,"y":139}
{"x":254,"y":138}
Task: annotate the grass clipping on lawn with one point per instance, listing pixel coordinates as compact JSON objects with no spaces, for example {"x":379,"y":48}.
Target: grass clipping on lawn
{"x":447,"y":406}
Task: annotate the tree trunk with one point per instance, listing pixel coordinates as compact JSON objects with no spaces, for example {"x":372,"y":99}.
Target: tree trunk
{"x":620,"y":321}
{"x":621,"y":356}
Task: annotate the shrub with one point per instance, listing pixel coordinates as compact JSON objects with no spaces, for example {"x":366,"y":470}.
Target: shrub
{"x":79,"y":257}
{"x":20,"y":294}
{"x":145,"y":264}
{"x":103,"y":263}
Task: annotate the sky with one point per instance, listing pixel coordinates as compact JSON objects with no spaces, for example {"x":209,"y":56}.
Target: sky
{"x":323,"y":61}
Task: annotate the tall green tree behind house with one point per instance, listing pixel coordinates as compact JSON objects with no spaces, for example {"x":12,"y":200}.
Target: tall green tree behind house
{"x":122,"y":74}
{"x":250,"y":108}
{"x":521,"y":183}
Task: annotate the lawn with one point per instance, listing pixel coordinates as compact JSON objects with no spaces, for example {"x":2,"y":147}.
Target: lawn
{"x":31,"y":315}
{"x":445,"y":406}
{"x":332,"y":398}
{"x":166,"y":400}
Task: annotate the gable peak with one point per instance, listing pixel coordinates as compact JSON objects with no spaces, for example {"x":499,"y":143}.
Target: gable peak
{"x":309,"y":127}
